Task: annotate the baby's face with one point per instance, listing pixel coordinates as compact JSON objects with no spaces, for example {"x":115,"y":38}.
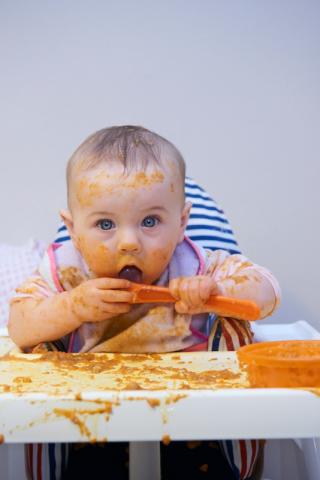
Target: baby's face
{"x":121,"y":221}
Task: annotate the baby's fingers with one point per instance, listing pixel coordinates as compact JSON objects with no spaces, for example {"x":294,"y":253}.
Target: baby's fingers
{"x":197,"y":296}
{"x":174,"y":287}
{"x":207,"y":287}
{"x":110,"y":283}
{"x":181,"y":307}
{"x":115,"y":296}
{"x":180,"y":289}
{"x":115,"y":308}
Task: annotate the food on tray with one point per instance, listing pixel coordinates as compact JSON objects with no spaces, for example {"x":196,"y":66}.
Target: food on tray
{"x":58,"y":373}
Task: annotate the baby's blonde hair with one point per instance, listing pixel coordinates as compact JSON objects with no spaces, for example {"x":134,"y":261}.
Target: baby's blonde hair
{"x":134,"y":147}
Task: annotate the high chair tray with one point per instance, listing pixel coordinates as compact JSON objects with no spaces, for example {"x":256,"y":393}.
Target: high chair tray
{"x":118,"y":397}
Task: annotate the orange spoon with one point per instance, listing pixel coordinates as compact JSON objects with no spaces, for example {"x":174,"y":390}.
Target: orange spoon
{"x":228,"y":307}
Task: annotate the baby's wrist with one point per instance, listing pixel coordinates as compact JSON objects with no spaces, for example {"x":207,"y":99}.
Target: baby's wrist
{"x":73,"y":310}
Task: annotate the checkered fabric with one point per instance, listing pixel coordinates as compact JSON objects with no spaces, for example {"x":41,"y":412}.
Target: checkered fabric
{"x":16,"y":264}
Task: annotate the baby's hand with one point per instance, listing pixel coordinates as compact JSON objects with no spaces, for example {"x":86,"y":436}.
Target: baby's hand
{"x":192,"y":293}
{"x":101,"y":298}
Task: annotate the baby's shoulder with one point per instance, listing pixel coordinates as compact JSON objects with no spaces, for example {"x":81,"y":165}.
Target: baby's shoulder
{"x":214,"y":259}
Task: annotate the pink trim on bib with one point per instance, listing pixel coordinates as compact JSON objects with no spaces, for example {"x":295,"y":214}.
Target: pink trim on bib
{"x":53,"y":268}
{"x":197,"y":333}
{"x":198,"y":347}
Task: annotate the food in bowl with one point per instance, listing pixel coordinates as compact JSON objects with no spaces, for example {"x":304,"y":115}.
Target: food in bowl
{"x":287,"y":363}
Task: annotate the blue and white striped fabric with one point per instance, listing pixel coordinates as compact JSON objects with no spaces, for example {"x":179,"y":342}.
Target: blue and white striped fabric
{"x":207,"y":226}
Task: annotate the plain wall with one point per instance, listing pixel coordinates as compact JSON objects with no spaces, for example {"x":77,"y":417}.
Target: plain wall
{"x":234,"y":84}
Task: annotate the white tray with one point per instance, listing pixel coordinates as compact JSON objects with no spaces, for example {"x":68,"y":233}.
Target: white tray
{"x":200,"y":414}
{"x":224,"y":414}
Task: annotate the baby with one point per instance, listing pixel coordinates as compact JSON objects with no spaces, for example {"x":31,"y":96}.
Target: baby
{"x":126,"y":217}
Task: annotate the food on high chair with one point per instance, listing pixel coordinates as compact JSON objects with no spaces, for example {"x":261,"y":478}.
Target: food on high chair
{"x":290,"y":363}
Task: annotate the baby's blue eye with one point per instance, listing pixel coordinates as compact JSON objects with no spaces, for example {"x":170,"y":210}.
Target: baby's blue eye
{"x":150,"y":222}
{"x":105,"y":224}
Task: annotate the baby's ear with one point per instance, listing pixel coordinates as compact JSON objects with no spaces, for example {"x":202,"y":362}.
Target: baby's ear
{"x":184,"y":219}
{"x":66,"y":217}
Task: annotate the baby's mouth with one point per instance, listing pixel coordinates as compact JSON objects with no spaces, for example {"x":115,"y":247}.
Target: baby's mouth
{"x":131,"y":273}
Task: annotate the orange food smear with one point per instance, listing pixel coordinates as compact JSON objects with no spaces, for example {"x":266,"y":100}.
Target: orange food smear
{"x":204,"y":467}
{"x":175,"y":398}
{"x":22,"y":380}
{"x":117,"y":372}
{"x":88,"y":187}
{"x":70,"y":277}
{"x":153,"y":402}
{"x":73,"y":416}
{"x":166,"y":439}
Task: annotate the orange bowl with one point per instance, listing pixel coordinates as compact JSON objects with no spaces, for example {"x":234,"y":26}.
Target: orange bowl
{"x":288,"y":363}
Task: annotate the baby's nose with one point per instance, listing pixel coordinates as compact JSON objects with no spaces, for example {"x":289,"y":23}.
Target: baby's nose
{"x":129,"y":247}
{"x":129,"y":242}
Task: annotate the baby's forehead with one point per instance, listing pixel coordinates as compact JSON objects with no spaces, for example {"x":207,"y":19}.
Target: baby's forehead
{"x":135,"y":177}
{"x":100,"y":181}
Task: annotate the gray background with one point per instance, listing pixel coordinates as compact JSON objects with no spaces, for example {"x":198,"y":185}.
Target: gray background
{"x":234,"y":84}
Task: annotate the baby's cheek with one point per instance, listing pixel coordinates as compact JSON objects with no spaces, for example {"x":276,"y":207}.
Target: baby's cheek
{"x":162,"y":255}
{"x":155,"y":261}
{"x":97,"y":256}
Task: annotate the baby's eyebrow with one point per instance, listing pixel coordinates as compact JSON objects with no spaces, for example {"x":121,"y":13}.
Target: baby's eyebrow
{"x":160,"y":207}
{"x":104,"y":213}
{"x":147,"y":209}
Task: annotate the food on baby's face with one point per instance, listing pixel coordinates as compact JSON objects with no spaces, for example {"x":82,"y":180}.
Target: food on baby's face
{"x":131,"y":273}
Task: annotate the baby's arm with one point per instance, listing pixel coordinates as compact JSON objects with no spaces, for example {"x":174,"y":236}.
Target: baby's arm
{"x":38,"y":314}
{"x":229,"y":275}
